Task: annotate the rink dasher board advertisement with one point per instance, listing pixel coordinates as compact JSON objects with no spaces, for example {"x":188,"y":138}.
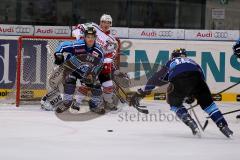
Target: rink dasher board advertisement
{"x":18,"y":30}
{"x":125,"y":32}
{"x":139,"y":57}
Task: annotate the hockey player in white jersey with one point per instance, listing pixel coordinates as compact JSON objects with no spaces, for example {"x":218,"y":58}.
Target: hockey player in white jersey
{"x":111,"y":48}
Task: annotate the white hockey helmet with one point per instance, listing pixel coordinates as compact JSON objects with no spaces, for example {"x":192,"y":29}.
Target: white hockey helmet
{"x":107,"y":18}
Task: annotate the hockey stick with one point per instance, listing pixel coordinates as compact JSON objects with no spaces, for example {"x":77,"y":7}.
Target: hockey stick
{"x":226,"y":113}
{"x":195,"y":115}
{"x":139,"y":108}
{"x":219,"y":93}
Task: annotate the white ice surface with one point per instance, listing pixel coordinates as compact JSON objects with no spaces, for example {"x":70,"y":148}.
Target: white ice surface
{"x":28,"y":133}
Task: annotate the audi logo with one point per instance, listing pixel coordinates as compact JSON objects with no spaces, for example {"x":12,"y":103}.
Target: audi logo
{"x":21,"y":29}
{"x":61,"y":31}
{"x":165,"y":34}
{"x":220,"y":34}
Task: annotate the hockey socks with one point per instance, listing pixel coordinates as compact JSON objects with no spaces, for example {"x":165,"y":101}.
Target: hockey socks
{"x":216,"y":115}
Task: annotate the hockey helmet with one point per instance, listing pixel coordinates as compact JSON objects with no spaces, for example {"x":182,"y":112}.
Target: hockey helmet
{"x":107,"y":18}
{"x":180,"y":52}
{"x":236,"y":48}
{"x":90,"y":30}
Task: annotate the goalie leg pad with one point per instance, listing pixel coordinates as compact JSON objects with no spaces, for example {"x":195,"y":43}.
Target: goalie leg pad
{"x":121,"y":79}
{"x":56,"y":77}
{"x":51,"y":100}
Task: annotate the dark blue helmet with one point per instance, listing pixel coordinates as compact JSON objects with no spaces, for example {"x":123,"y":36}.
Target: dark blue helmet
{"x":236,"y":48}
{"x":180,"y":52}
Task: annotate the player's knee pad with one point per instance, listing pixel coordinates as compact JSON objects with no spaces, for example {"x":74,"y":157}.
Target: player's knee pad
{"x":95,"y":102}
{"x":70,"y":79}
{"x":67,"y":100}
{"x":70,"y":85}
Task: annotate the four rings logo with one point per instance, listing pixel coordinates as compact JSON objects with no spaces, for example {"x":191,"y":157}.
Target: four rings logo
{"x":21,"y":29}
{"x":61,"y":31}
{"x":217,"y":35}
{"x":165,"y":34}
{"x":162,"y":34}
{"x":221,"y":35}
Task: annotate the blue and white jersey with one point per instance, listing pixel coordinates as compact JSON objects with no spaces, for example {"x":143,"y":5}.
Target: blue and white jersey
{"x":79,"y":47}
{"x":181,"y":64}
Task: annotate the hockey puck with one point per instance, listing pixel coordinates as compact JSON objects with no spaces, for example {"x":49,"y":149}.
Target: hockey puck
{"x":110,"y":130}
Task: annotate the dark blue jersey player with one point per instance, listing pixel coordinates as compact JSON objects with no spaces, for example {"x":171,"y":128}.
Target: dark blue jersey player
{"x":186,"y":80}
{"x":80,"y":51}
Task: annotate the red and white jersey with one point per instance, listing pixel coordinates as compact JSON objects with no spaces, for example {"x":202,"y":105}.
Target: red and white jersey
{"x":107,"y":41}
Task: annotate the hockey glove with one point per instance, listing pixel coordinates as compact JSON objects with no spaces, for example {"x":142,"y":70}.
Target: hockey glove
{"x":189,"y":100}
{"x":59,"y":58}
{"x":137,"y":97}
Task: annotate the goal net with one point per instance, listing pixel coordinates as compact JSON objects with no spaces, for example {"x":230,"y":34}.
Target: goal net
{"x":34,"y":64}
